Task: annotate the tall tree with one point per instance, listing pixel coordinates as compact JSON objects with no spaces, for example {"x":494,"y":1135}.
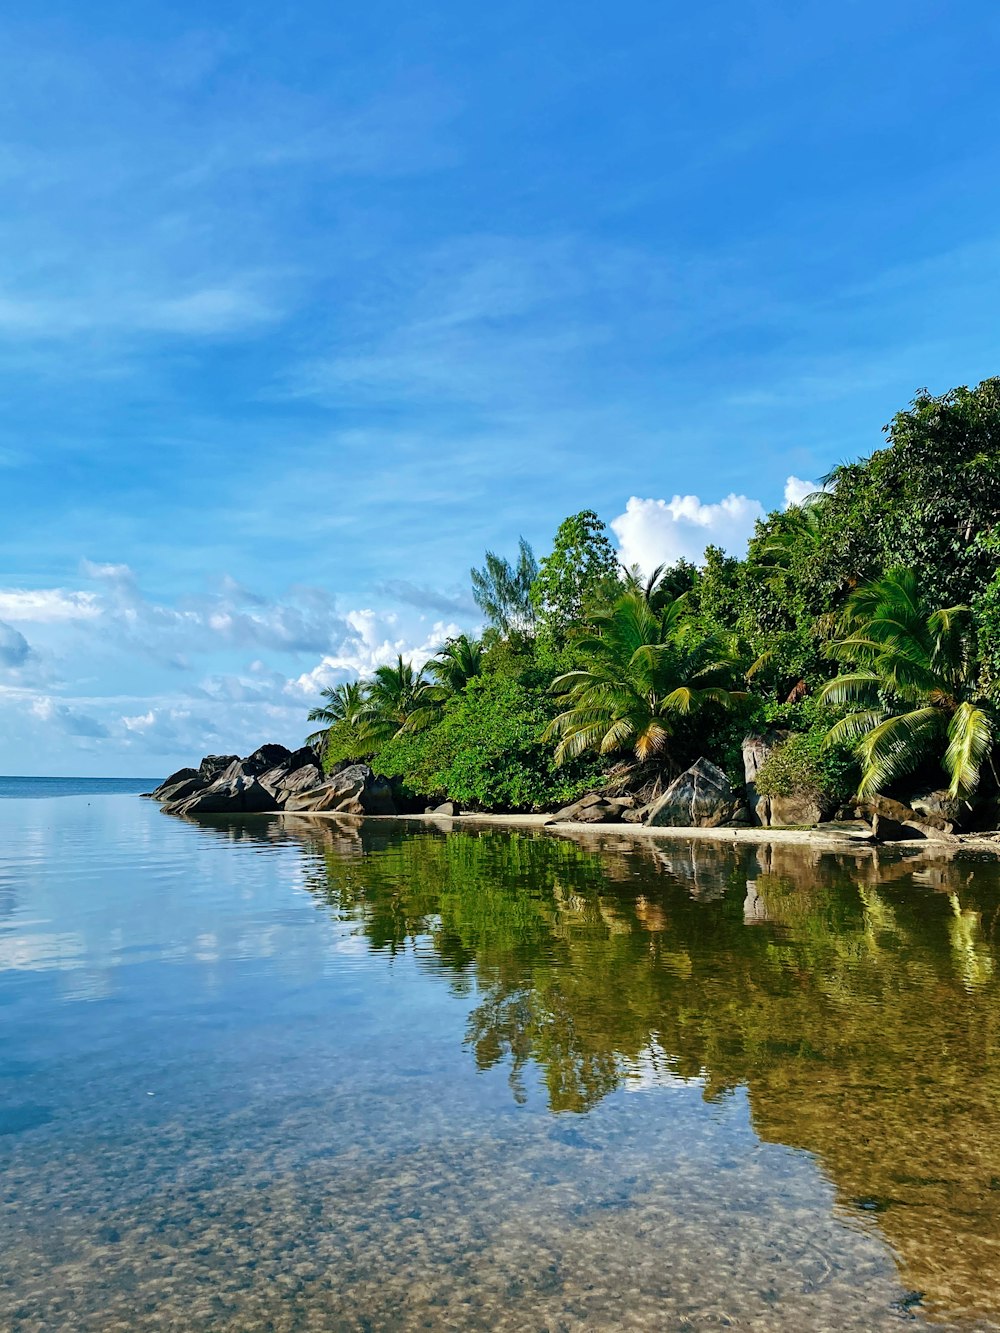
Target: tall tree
{"x":502,"y":592}
{"x":393,"y":696}
{"x":581,"y":571}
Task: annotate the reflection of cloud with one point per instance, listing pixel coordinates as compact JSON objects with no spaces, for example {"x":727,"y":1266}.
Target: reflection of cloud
{"x":654,"y":1068}
{"x":40,"y":952}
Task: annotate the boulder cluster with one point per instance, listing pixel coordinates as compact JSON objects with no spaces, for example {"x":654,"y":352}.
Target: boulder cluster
{"x":274,"y":778}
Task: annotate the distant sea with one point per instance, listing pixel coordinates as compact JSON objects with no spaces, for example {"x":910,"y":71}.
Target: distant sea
{"x":34,"y":787}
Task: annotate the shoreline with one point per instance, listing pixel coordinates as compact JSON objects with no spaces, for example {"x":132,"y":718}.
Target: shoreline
{"x":823,"y":840}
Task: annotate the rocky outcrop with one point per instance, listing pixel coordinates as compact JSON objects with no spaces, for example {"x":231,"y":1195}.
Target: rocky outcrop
{"x":757,"y":748}
{"x":893,"y":820}
{"x":355,"y":790}
{"x":594,"y":808}
{"x":702,"y":797}
{"x":802,"y":811}
{"x":273,"y":778}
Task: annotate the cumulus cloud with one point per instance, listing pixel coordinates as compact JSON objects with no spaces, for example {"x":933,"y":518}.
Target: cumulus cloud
{"x":653,"y":532}
{"x":797,"y":490}
{"x":14,"y":647}
{"x":374,"y":642}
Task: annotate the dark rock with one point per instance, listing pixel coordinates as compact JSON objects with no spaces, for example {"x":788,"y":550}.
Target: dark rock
{"x":267,"y":757}
{"x":175,"y":779}
{"x":232,"y":792}
{"x":283,"y":782}
{"x":892,"y":819}
{"x":177,"y":791}
{"x":855,"y":830}
{"x":214,"y":764}
{"x":354,"y":790}
{"x":575,"y":811}
{"x":702,"y":797}
{"x":941,"y":805}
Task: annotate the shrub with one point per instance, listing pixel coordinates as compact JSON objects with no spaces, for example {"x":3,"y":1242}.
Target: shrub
{"x":487,"y":752}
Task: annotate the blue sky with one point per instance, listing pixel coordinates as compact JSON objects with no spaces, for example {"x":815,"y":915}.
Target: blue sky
{"x":302,"y":307}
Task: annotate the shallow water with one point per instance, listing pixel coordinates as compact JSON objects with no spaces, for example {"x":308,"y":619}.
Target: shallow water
{"x":266,"y":1074}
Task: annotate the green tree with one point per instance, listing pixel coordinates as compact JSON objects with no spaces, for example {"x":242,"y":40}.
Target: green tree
{"x":581,"y":571}
{"x":643,"y":675}
{"x":914,"y":684}
{"x":450,"y":670}
{"x":393,"y":695}
{"x":502,"y":592}
{"x":346,"y":716}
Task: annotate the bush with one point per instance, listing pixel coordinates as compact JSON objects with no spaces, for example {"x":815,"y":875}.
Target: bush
{"x":803,"y":766}
{"x":486,"y":752}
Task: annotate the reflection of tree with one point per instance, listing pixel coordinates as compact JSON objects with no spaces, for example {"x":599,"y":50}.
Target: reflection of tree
{"x":856,"y":998}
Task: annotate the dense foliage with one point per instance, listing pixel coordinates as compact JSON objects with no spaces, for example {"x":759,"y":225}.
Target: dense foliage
{"x":862,"y":626}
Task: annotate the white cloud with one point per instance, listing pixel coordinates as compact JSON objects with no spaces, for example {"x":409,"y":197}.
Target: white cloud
{"x":47,"y":605}
{"x":141,"y":723}
{"x":653,"y":532}
{"x":14,"y":647}
{"x":796,"y":490}
{"x":370,"y":646}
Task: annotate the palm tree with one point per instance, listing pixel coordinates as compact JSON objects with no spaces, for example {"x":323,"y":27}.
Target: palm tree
{"x":450,"y":669}
{"x":914,"y":686}
{"x":346,"y":707}
{"x":643,"y":674}
{"x":393,"y":695}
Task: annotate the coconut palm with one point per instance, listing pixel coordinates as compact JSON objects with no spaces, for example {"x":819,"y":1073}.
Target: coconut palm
{"x":450,"y":669}
{"x":913,"y":686}
{"x":393,"y":695}
{"x":643,"y":674}
{"x":346,"y":707}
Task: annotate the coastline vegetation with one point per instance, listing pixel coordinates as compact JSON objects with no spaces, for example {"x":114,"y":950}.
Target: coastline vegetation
{"x":861,"y":629}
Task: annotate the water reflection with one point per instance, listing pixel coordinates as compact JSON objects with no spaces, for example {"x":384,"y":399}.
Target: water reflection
{"x":854,"y":997}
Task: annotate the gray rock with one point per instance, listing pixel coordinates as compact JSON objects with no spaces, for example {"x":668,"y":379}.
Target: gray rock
{"x":214,"y":764}
{"x":182,"y":775}
{"x":284,"y":783}
{"x":232,"y":792}
{"x":178,"y":791}
{"x":449,"y":808}
{"x":892,"y":819}
{"x":941,"y":805}
{"x":702,"y":797}
{"x":354,"y":790}
{"x":788,"y":811}
{"x":757,"y":748}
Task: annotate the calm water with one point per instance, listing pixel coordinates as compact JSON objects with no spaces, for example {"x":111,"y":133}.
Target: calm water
{"x":284,"y":1075}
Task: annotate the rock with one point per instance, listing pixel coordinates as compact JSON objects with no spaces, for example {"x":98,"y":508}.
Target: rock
{"x":283,"y":782}
{"x":214,"y":764}
{"x":232,"y":792}
{"x":178,"y":791}
{"x":855,"y":830}
{"x":595,"y":813}
{"x":636,"y":815}
{"x":574,"y":812}
{"x":786,"y":811}
{"x":267,"y":757}
{"x":449,"y":808}
{"x":892,"y":819}
{"x":354,"y":790}
{"x":702,"y":797}
{"x":182,"y":775}
{"x":941,"y":805}
{"x":756,"y":749}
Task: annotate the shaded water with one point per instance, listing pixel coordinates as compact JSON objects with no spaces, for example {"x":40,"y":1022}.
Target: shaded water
{"x":293,"y":1074}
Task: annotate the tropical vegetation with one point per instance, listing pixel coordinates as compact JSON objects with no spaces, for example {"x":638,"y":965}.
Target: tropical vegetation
{"x":861,"y":630}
